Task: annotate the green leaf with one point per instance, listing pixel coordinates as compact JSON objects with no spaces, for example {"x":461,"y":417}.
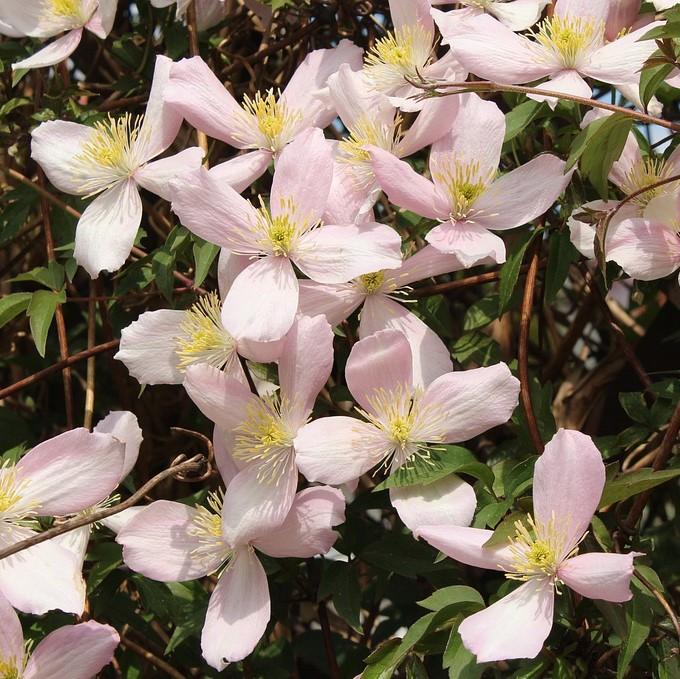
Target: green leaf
{"x":340,"y":582}
{"x":204,"y":256}
{"x":520,"y":116}
{"x":40,"y":312}
{"x":639,"y":616}
{"x":51,"y":276}
{"x":162,"y":265}
{"x":632,"y":483}
{"x":12,"y":305}
{"x":510,"y":271}
{"x":505,"y":530}
{"x":561,"y":254}
{"x":671,"y":29}
{"x":633,"y":402}
{"x":651,"y":79}
{"x":453,"y":460}
{"x":455,"y":594}
{"x":476,"y":346}
{"x":381,"y":663}
{"x":107,"y":557}
{"x":460,"y":663}
{"x":481,"y":313}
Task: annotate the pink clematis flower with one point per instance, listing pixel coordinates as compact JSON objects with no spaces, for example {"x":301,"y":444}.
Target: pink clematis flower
{"x":370,"y":118}
{"x":401,"y":419}
{"x":379,"y":293}
{"x":73,"y":651}
{"x":112,"y":158}
{"x":43,"y":483}
{"x":567,"y":47}
{"x":257,"y":432}
{"x":406,"y":53}
{"x":464,"y":193}
{"x":171,"y":542}
{"x":265,"y":124}
{"x":517,"y":15}
{"x":208,"y":12}
{"x":47,"y":18}
{"x":568,"y":482}
{"x":262,"y":302}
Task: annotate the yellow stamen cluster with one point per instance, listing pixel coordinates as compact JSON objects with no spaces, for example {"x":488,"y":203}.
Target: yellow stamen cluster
{"x":645,"y":172}
{"x":207,"y":527}
{"x":65,"y":8}
{"x":10,"y":488}
{"x":280,"y":234}
{"x":264,"y":438}
{"x":275,"y":120}
{"x":204,"y":338}
{"x":113,"y":140}
{"x":464,"y":183}
{"x":569,"y":38}
{"x":370,"y":283}
{"x":8,"y":669}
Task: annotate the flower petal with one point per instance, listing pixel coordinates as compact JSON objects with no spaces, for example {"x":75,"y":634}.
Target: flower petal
{"x":164,"y":528}
{"x":54,"y":53}
{"x":470,"y":243}
{"x":336,"y":254}
{"x":238,"y":611}
{"x":11,"y":634}
{"x":518,"y":15}
{"x":355,"y":99}
{"x":337,"y":449}
{"x":307,"y":530}
{"x":107,"y":229}
{"x":335,"y":302}
{"x":74,"y":651}
{"x":102,"y":20}
{"x":514,"y":627}
{"x":564,"y":82}
{"x":124,"y":427}
{"x":241,"y":171}
{"x":449,"y":501}
{"x":472,"y":401}
{"x":156,"y":176}
{"x":568,"y":482}
{"x":426,"y":263}
{"x":48,"y":471}
{"x":540,"y":182}
{"x":433,"y":122}
{"x":599,"y":576}
{"x":262,"y":301}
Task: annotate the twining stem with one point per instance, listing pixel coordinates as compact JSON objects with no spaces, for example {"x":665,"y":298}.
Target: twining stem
{"x":662,"y":600}
{"x":91,"y":361}
{"x":147,"y":655}
{"x":328,"y":641}
{"x":193,"y":464}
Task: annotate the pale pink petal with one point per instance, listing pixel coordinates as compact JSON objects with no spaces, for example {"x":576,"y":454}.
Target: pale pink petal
{"x":242,"y":170}
{"x":229,"y":266}
{"x":433,"y":121}
{"x":262,"y":301}
{"x":238,"y":611}
{"x":33,"y":18}
{"x":620,"y":61}
{"x":407,"y":13}
{"x":107,"y":229}
{"x":663,"y":209}
{"x":568,"y":482}
{"x":335,"y":302}
{"x":117,"y":522}
{"x":305,"y":366}
{"x":102,"y":20}
{"x":596,"y":10}
{"x":475,"y":139}
{"x":148,"y":347}
{"x":673,"y":161}
{"x":336,"y":254}
{"x":158,"y":543}
{"x":291,"y":183}
{"x":260,"y":352}
{"x":630,"y":156}
{"x":447,"y":502}
{"x":223,"y":443}
{"x":307,"y":90}
{"x":355,"y":100}
{"x":255,"y":503}
{"x":47,"y":471}
{"x":218,"y":396}
{"x":466,"y":545}
{"x":426,"y":263}
{"x":8,"y":30}
{"x":492,"y":51}
{"x":307,"y":530}
{"x":338,"y":449}
{"x":470,"y":243}
{"x":40,"y":578}
{"x":405,"y":187}
{"x":11,"y":634}
{"x":522,"y":194}
{"x":518,"y":15}
{"x":350,"y":200}
{"x":599,"y":576}
{"x":124,"y":427}
{"x":56,"y":146}
{"x":197,"y":94}
{"x":214,"y":211}
{"x":564,"y":82}
{"x":430,"y":356}
{"x":645,"y":250}
{"x":77,"y":542}
{"x":54,"y":53}
{"x":454,"y":21}
{"x":381,"y":361}
{"x":514,"y":627}
{"x":209,"y":13}
{"x":75,"y":651}
{"x":156,"y":176}
{"x":472,"y":401}
{"x":582,"y":234}
{"x":622,"y":16}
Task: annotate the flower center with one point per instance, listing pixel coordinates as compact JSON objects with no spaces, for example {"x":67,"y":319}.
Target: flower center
{"x":204,"y":338}
{"x":264,"y":438}
{"x":279,"y":235}
{"x":275,"y":121}
{"x":207,"y":527}
{"x":569,"y":38}
{"x":645,"y":172}
{"x":463,"y":183}
{"x":399,"y":54}
{"x":65,"y":8}
{"x":370,"y":283}
{"x":9,"y":488}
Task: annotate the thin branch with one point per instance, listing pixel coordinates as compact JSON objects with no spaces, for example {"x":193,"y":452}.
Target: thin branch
{"x":193,"y":464}
{"x":56,"y":367}
{"x":328,"y":641}
{"x":662,"y":600}
{"x":91,"y":361}
{"x":147,"y":655}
